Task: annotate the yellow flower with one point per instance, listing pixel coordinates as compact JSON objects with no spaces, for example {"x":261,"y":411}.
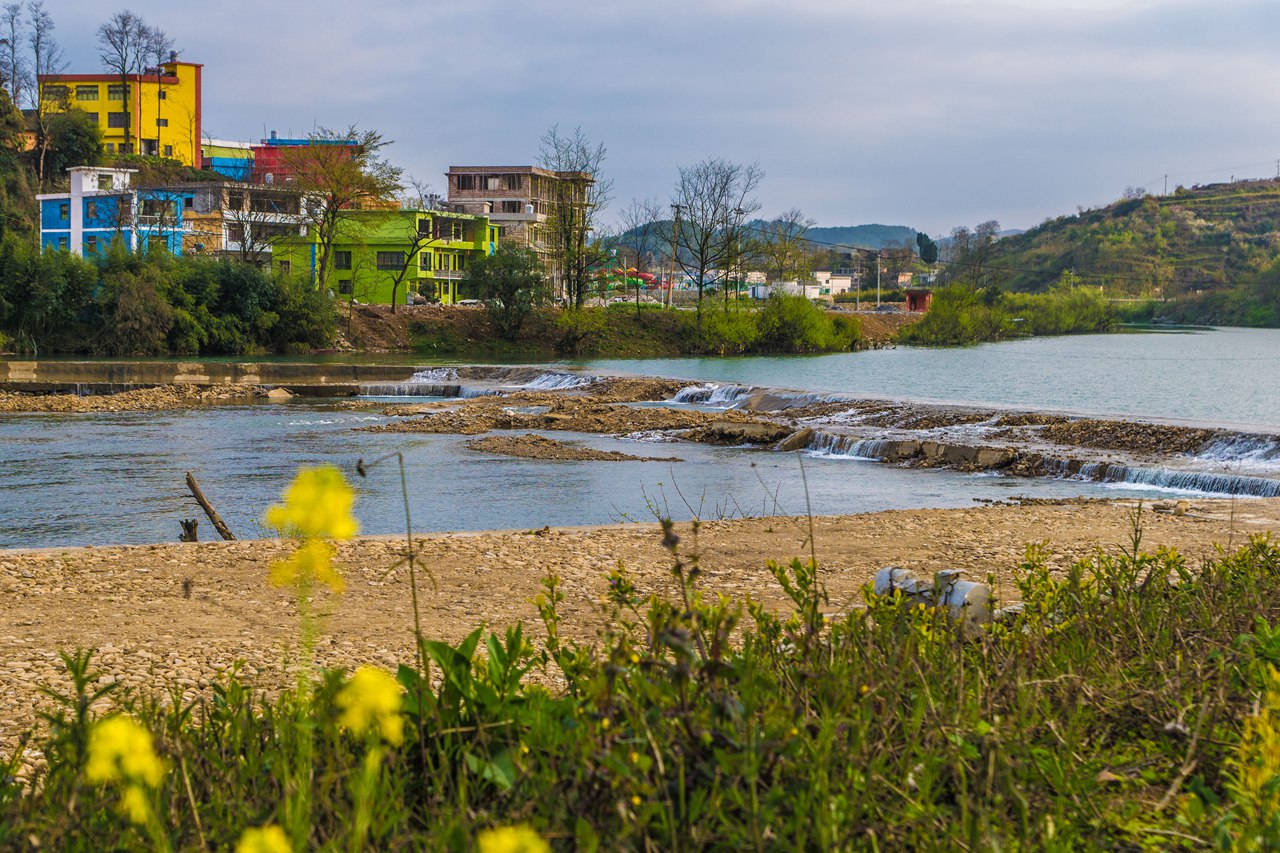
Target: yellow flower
{"x":635,"y":800}
{"x":317,"y":504}
{"x":312,"y":562}
{"x":265,"y":839}
{"x":511,"y":839}
{"x":120,"y":750}
{"x":134,"y":804}
{"x":371,"y":700}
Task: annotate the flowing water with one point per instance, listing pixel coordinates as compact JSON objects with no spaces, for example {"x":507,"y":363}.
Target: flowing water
{"x":99,"y":478}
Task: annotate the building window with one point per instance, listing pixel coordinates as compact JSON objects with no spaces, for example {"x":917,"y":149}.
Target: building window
{"x":164,"y":96}
{"x":390,"y":260}
{"x":493,"y":182}
{"x":285,"y":266}
{"x":510,"y":207}
{"x":168,"y":151}
{"x":162,"y":122}
{"x":512,"y":181}
{"x":91,"y":244}
{"x":125,"y":148}
{"x":56,"y":93}
{"x":111,"y":147}
{"x":344,"y":286}
{"x":86,"y":93}
{"x":91,"y":210}
{"x":93,"y":117}
{"x":466,"y":182}
{"x":189,"y":202}
{"x":235,"y":233}
{"x":116,"y":119}
{"x":64,"y":211}
{"x":342,"y":260}
{"x":104,"y":182}
{"x":424,"y":261}
{"x":62,"y":244}
{"x":117,"y":92}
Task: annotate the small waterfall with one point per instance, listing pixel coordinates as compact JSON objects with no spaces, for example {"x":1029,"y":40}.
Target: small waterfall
{"x":834,"y":446}
{"x":1260,"y":450}
{"x":712,"y":394}
{"x":557,"y":382}
{"x":409,"y":389}
{"x":1202,"y":482}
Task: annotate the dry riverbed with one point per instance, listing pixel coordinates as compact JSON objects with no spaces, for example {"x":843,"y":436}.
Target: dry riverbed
{"x":184,"y":613}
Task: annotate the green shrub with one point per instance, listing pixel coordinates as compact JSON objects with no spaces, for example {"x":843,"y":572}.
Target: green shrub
{"x":793,"y":324}
{"x":727,"y":332}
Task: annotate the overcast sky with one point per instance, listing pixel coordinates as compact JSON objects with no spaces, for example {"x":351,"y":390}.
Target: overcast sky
{"x":928,"y":113}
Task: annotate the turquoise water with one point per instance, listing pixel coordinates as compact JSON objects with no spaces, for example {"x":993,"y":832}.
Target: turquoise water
{"x":1221,"y":376}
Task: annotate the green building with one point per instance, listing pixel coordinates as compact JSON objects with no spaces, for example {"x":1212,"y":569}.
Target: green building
{"x":378,"y":253}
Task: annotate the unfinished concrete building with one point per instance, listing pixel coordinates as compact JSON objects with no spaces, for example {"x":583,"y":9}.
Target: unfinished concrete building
{"x":525,"y":202}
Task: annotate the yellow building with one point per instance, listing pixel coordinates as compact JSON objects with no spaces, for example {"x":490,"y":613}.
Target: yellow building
{"x":155,"y":113}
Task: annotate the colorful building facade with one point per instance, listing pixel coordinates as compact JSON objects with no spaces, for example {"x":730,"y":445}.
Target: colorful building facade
{"x":156,"y":113}
{"x":379,"y":254}
{"x":232,"y":160}
{"x":102,"y":208}
{"x":272,"y":163}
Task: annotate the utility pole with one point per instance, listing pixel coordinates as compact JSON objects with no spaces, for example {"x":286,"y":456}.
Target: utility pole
{"x":1166,"y":183}
{"x":878,"y":278}
{"x":675,"y":247}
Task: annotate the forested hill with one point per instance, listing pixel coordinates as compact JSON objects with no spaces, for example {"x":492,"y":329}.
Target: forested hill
{"x":1208,"y":253}
{"x":863,"y":236}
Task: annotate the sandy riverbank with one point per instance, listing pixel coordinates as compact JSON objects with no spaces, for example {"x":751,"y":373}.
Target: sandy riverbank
{"x":152,"y":627}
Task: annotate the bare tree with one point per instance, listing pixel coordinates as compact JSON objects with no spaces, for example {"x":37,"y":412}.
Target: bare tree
{"x":712,"y":200}
{"x":13,"y":63}
{"x":971,"y":253}
{"x":124,"y":44}
{"x":421,"y":196}
{"x":782,"y":246}
{"x":643,"y":233}
{"x":159,"y":47}
{"x":336,"y":173}
{"x":578,"y":195}
{"x":257,"y":217}
{"x":46,"y":59}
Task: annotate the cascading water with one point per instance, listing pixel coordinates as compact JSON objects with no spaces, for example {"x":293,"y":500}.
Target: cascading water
{"x":712,"y":394}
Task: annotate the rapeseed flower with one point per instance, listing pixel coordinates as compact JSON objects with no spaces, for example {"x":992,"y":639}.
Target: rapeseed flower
{"x":120,"y":750}
{"x":317,"y":504}
{"x":511,"y":839}
{"x":370,"y":701}
{"x":312,"y":563}
{"x":264,"y":839}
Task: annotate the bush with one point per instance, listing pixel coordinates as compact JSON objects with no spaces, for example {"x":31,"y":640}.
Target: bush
{"x":793,"y":324}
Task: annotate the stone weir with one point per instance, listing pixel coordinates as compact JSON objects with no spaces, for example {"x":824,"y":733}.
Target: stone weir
{"x":109,"y":377}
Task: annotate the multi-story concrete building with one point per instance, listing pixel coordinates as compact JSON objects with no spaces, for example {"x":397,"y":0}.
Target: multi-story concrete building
{"x":157,"y":112}
{"x":240,"y":220}
{"x":103,"y":207}
{"x":384,"y":254}
{"x":272,"y":160}
{"x":520,"y":200}
{"x":233,"y":160}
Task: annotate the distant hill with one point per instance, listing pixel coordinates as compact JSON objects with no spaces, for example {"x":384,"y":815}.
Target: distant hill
{"x":863,"y":236}
{"x":1208,"y":253}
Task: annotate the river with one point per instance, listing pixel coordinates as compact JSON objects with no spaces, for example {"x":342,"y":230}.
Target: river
{"x":106,"y":478}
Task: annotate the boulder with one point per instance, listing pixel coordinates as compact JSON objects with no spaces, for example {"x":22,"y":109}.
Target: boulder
{"x":798,"y":440}
{"x":279,"y":394}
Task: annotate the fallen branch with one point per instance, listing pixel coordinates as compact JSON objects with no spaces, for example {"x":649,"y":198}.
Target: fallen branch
{"x":218,"y":523}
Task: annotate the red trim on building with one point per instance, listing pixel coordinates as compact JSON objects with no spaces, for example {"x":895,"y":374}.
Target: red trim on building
{"x":106,"y":78}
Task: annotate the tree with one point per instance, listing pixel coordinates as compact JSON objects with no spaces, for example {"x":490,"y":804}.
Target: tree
{"x":712,"y":200}
{"x":254,"y":219}
{"x":511,"y":283}
{"x":46,"y":58}
{"x":577,"y":195}
{"x":338,"y":172}
{"x":14,"y":68}
{"x":782,"y":244}
{"x":74,"y":139}
{"x":928,"y":248}
{"x":124,"y":43}
{"x":157,"y":50}
{"x":642,"y":233}
{"x":971,"y":253}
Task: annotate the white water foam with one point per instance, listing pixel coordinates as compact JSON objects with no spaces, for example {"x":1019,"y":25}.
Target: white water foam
{"x":713,"y":394}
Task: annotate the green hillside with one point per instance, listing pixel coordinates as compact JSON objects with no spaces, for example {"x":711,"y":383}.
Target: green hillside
{"x":863,"y":236}
{"x":1206,"y":254}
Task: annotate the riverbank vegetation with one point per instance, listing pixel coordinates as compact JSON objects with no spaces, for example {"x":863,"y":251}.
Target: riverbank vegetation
{"x":782,"y":324}
{"x":158,"y":304}
{"x":960,"y":314}
{"x":1130,"y":702}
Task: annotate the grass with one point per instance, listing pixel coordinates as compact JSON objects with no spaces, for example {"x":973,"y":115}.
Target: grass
{"x":1131,"y":702}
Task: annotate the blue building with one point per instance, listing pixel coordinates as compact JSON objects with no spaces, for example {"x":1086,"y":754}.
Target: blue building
{"x":102,"y":207}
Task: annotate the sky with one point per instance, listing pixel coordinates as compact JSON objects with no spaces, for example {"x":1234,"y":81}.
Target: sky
{"x":927,"y":113}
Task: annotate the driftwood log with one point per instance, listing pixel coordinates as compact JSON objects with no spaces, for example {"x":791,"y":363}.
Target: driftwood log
{"x":218,"y":523}
{"x":189,"y":532}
